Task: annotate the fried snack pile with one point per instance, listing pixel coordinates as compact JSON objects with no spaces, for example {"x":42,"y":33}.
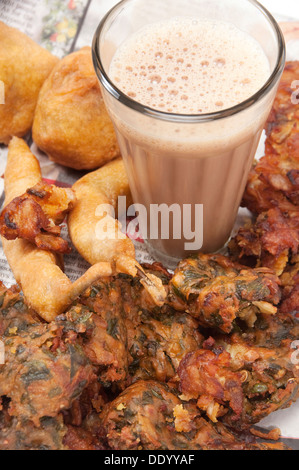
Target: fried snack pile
{"x":108,"y":375}
{"x":35,"y":216}
{"x":23,"y":69}
{"x":71,"y":124}
{"x":130,"y":357}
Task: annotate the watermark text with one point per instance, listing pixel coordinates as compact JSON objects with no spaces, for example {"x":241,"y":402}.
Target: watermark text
{"x":156,"y":222}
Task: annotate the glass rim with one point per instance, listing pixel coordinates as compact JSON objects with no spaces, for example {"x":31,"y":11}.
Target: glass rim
{"x":187,"y":118}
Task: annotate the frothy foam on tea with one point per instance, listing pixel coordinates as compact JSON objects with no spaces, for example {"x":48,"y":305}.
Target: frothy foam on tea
{"x":188,"y":66}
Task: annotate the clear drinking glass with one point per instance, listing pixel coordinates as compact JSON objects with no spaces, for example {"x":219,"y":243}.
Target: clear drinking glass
{"x":187,"y":159}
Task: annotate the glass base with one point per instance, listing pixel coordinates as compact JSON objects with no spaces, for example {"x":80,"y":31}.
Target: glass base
{"x":168,"y":261}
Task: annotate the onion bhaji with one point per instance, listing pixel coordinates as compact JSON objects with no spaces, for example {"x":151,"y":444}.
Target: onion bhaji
{"x":35,"y":216}
{"x":242,"y":377}
{"x":132,"y":338}
{"x":270,"y":241}
{"x":19,"y":434}
{"x":290,"y":285}
{"x":117,"y":370}
{"x":274,"y":179}
{"x":149,"y":415}
{"x":24,"y":66}
{"x":216,"y":291}
{"x":45,"y":367}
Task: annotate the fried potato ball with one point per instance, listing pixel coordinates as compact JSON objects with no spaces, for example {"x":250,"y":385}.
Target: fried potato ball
{"x":71,"y":124}
{"x":24,"y":66}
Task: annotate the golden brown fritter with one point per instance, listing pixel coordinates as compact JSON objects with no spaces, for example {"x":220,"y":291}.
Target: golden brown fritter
{"x":47,"y":372}
{"x":71,"y":124}
{"x":290,"y":284}
{"x":149,"y":416}
{"x":18,"y":434}
{"x":270,"y":241}
{"x":95,"y":190}
{"x":35,"y":216}
{"x":131,"y":337}
{"x":216,"y":291}
{"x":24,"y":66}
{"x":274,"y":179}
{"x":208,"y":377}
{"x":158,"y":340}
{"x":44,"y":370}
{"x":105,"y":344}
{"x":243,"y":377}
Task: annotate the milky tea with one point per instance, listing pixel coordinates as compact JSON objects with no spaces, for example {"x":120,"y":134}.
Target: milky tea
{"x":185,"y":66}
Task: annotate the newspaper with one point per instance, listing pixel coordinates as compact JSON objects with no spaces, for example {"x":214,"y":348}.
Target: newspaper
{"x":63,"y":26}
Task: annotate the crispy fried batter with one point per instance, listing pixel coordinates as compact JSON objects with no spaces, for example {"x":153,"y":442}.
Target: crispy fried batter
{"x":274,"y":180}
{"x":115,"y":332}
{"x":20,"y":434}
{"x":97,"y":194}
{"x":270,"y":241}
{"x":243,"y":377}
{"x":132,"y":338}
{"x":45,"y":367}
{"x":35,"y":216}
{"x":216,"y":291}
{"x":290,"y":284}
{"x":208,"y":378}
{"x":148,"y":415}
{"x":49,"y":365}
{"x":158,"y":340}
{"x":71,"y":123}
{"x":24,"y":66}
{"x":38,"y":272}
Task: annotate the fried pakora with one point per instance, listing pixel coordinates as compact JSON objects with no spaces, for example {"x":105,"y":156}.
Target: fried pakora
{"x":150,"y":416}
{"x":243,"y":377}
{"x":45,"y":367}
{"x":39,"y":272}
{"x":24,"y":66}
{"x":290,"y":285}
{"x":216,"y":291}
{"x":19,"y":434}
{"x":274,"y":179}
{"x":132,"y":337}
{"x":270,"y":241}
{"x":35,"y":216}
{"x":71,"y":124}
{"x":93,"y":228}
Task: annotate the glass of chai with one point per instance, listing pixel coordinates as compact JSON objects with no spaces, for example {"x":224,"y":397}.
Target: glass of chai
{"x":188,"y":85}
